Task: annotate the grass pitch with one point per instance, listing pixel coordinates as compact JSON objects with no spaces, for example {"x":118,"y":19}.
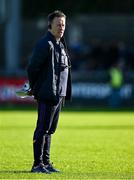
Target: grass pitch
{"x":87,"y":145}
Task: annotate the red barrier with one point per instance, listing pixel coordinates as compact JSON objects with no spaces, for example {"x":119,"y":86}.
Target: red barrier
{"x":8,"y":88}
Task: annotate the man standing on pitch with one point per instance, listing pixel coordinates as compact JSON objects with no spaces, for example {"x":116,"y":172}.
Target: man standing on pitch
{"x":49,"y":77}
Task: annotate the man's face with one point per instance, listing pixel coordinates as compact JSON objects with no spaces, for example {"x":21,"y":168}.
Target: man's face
{"x":58,"y":27}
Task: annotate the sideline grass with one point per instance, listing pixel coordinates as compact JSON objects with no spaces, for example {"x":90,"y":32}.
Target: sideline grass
{"x":87,"y":145}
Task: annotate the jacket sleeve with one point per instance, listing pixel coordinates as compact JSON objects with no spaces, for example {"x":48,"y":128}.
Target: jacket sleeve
{"x":37,"y":60}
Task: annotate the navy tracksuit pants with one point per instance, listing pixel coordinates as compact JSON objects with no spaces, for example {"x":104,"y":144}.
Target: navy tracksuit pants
{"x":47,"y":121}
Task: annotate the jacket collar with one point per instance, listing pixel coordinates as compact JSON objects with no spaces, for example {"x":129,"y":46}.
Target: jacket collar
{"x":51,"y":36}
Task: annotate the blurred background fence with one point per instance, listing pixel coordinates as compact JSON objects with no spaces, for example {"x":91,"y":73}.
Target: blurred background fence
{"x":100,"y":34}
